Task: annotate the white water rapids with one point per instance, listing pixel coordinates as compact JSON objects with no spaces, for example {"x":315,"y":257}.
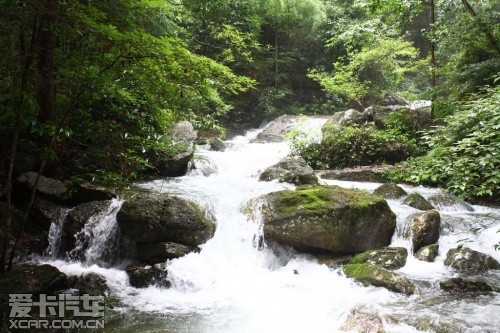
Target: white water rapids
{"x":232,"y":286}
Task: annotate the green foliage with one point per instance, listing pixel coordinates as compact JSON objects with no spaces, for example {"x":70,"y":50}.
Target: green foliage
{"x":371,"y":72}
{"x":343,"y":147}
{"x":465,"y":151}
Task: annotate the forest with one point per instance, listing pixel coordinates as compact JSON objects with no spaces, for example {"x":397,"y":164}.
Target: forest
{"x":138,"y":162}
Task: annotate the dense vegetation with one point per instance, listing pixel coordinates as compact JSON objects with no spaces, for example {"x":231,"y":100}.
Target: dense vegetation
{"x":91,"y":89}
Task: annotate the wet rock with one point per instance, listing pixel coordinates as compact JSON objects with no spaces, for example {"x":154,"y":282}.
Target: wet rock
{"x":202,"y":167}
{"x":153,"y":253}
{"x":467,"y":260}
{"x":44,"y":212}
{"x":327,"y":218}
{"x":465,"y":286}
{"x":425,"y":229}
{"x":77,"y":218}
{"x":43,"y":279}
{"x":417,"y":201}
{"x":362,"y":322}
{"x":276,"y":130}
{"x":293,"y":170}
{"x":390,"y":191}
{"x":88,"y":192}
{"x":49,"y":188}
{"x":361,"y":174}
{"x":142,"y":277}
{"x":446,"y":201}
{"x":164,"y":218}
{"x":427,"y":253}
{"x":218,"y":145}
{"x":374,"y":275}
{"x":389,"y":258}
{"x":92,"y":284}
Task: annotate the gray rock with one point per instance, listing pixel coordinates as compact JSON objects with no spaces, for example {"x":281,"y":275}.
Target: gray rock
{"x":465,"y":286}
{"x":153,"y":253}
{"x":417,"y":201}
{"x":425,"y":229}
{"x":390,"y":191}
{"x":202,"y":166}
{"x":50,"y":188}
{"x":362,"y":322}
{"x":142,"y":277}
{"x":446,"y":201}
{"x":184,"y":132}
{"x":293,"y":170}
{"x":218,"y":145}
{"x":324,"y":218}
{"x":164,"y":218}
{"x":427,"y":253}
{"x":276,"y":130}
{"x":92,"y":284}
{"x":44,"y":212}
{"x":390,"y":99}
{"x":467,"y":260}
{"x":352,"y":117}
{"x":372,"y":174}
{"x":389,"y":258}
{"x":374,"y":275}
{"x":88,"y":192}
{"x":176,"y":165}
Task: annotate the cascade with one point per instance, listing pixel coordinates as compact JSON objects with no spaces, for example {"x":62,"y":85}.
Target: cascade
{"x":237,"y":283}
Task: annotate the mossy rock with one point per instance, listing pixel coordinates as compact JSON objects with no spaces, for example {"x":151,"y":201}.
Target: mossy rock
{"x":468,"y":260}
{"x":328,"y":218}
{"x":375,"y":275}
{"x":390,"y":191}
{"x":465,"y":286}
{"x":427,"y":253}
{"x":425,"y":229}
{"x":164,"y":218}
{"x":294,"y":170}
{"x":43,"y":279}
{"x":389,"y":257}
{"x":417,"y":201}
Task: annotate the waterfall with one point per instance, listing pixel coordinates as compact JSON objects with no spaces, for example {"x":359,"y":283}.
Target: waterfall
{"x":237,"y":283}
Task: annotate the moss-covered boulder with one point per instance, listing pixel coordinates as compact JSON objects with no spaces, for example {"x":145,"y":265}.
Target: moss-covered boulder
{"x":294,"y":170}
{"x":327,"y":219}
{"x":389,"y":257}
{"x":425,"y":229}
{"x":467,"y":260}
{"x":427,"y":253}
{"x":164,"y":218}
{"x":417,"y":201}
{"x":375,"y":275}
{"x":390,"y":191}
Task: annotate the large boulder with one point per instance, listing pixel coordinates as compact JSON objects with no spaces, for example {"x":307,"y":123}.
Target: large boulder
{"x":446,"y":201}
{"x":425,"y":229}
{"x":88,"y":192}
{"x":324,"y":218}
{"x":144,"y":276}
{"x":152,"y":253}
{"x":417,"y":201}
{"x":164,"y":218}
{"x":389,"y":258}
{"x":293,"y":170}
{"x":374,"y":275}
{"x":276,"y":130}
{"x":43,"y":279}
{"x":467,"y":260}
{"x":352,"y":117}
{"x":44,"y":212}
{"x":390,"y":191}
{"x":184,"y":132}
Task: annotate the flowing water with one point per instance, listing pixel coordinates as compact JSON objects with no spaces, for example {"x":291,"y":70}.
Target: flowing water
{"x":235,"y":285}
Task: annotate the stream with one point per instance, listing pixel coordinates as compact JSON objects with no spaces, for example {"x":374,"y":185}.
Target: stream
{"x":232,"y":285}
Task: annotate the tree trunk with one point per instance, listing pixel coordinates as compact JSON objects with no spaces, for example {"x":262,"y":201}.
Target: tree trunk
{"x":433,"y":55}
{"x":482,"y":26}
{"x":46,"y":87}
